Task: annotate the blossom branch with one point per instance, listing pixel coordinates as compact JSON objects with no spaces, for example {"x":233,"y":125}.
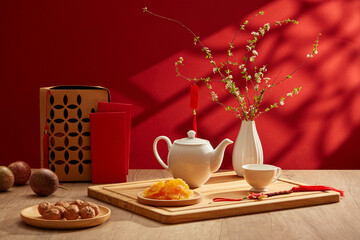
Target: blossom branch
{"x":248,"y":109}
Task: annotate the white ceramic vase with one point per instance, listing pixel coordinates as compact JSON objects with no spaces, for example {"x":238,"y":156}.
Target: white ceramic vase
{"x":247,"y":147}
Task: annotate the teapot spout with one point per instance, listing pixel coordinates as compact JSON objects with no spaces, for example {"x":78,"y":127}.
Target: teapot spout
{"x":218,"y":155}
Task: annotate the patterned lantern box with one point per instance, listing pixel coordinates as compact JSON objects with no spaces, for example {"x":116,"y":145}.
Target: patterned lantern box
{"x":65,"y":113}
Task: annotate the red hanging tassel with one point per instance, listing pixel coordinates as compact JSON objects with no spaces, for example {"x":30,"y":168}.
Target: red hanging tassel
{"x":46,"y":136}
{"x":303,"y":188}
{"x":194,"y":102}
{"x":194,"y":96}
{"x":46,"y":148}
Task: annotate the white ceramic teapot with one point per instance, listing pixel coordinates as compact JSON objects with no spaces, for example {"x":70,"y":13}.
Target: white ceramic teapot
{"x":192,"y":159}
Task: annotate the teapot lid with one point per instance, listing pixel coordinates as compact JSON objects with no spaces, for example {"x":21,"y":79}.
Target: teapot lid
{"x":191,"y":139}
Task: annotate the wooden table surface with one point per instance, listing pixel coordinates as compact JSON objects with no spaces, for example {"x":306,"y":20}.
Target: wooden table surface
{"x":332,"y":221}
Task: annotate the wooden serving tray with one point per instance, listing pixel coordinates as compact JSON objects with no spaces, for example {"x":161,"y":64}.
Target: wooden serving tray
{"x":225,"y":185}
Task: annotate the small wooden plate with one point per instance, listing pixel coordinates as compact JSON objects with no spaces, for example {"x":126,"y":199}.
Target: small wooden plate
{"x":32,"y":217}
{"x":194,"y":199}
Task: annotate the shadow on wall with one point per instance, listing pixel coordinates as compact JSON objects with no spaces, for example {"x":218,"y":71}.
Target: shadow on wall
{"x":347,"y":155}
{"x":160,"y":40}
{"x":304,"y":134}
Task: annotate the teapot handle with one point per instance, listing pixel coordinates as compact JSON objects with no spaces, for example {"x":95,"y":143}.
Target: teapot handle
{"x":167,"y":140}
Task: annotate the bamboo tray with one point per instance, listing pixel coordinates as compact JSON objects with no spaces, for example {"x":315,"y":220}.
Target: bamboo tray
{"x":225,"y":185}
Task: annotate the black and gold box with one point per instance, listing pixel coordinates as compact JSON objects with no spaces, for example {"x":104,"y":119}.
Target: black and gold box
{"x":65,"y":117}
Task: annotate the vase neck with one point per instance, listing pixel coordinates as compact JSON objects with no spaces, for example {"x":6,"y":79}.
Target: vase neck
{"x":248,"y":122}
{"x":248,"y":125}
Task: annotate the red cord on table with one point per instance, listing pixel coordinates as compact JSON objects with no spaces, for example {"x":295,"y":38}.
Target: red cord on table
{"x":301,"y":188}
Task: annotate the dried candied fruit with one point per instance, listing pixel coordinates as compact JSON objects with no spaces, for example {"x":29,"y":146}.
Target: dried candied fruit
{"x":173,"y":189}
{"x":154,"y":189}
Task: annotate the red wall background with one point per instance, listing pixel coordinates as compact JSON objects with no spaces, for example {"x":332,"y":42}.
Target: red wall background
{"x":114,"y":44}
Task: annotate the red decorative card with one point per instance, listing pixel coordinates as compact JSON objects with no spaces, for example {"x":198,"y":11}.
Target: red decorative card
{"x":127,"y":109}
{"x":109,"y":147}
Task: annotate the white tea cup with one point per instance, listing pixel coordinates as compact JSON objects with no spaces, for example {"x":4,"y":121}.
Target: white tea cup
{"x":260,"y":176}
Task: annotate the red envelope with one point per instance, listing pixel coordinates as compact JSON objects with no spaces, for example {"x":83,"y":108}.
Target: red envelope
{"x":120,"y":107}
{"x":108,"y":147}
